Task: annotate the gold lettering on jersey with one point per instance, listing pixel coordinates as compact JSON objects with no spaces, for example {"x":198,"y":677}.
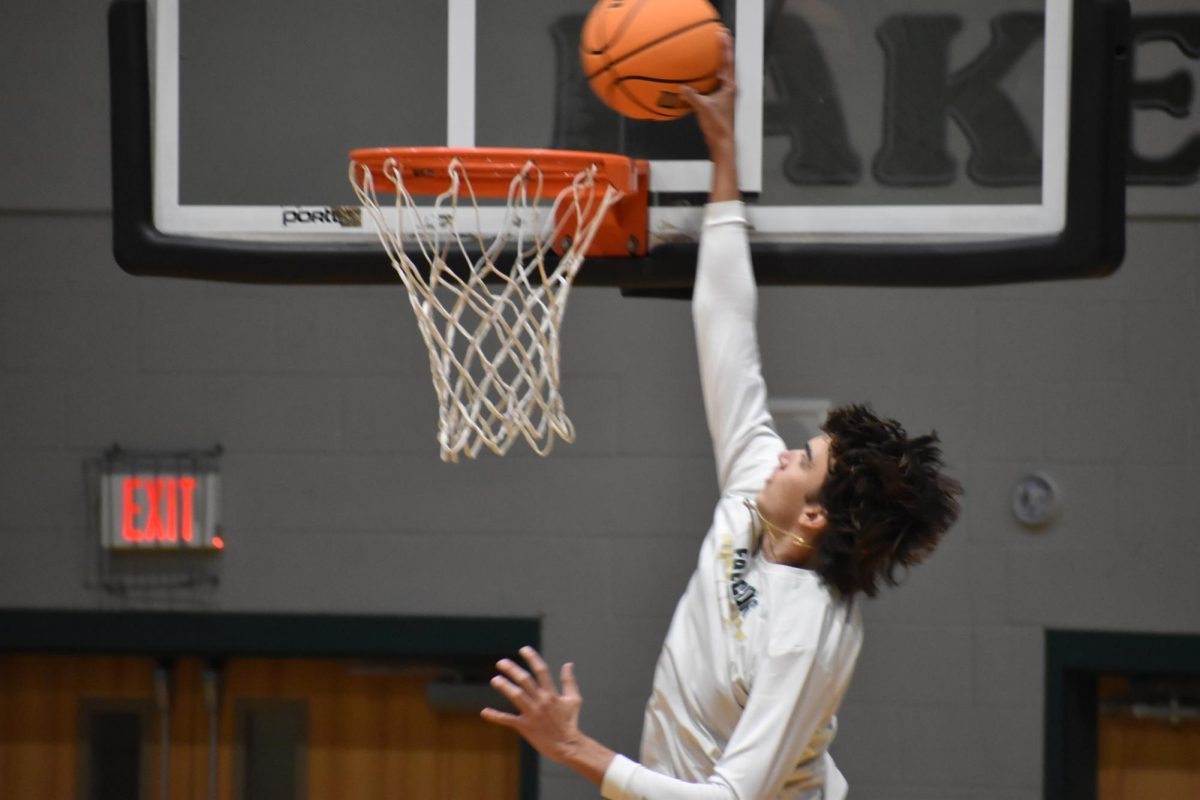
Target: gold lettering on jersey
{"x":742,"y":596}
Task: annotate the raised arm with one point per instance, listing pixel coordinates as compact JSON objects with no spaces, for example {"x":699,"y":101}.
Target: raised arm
{"x":725,"y":306}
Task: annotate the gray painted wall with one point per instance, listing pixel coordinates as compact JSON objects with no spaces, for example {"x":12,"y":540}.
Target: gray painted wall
{"x":335,"y":499}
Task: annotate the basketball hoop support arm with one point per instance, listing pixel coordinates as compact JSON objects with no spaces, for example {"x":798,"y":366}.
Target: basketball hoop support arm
{"x":623,"y":230}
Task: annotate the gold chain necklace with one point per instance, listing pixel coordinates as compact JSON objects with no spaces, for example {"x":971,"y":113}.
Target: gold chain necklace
{"x":775,"y":531}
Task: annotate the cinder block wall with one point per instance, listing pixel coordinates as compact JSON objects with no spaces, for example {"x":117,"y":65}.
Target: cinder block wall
{"x":335,"y":499}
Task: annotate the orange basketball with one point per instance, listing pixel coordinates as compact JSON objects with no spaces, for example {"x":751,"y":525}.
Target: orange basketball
{"x":637,"y":54}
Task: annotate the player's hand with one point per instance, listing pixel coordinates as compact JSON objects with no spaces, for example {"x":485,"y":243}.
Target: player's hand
{"x":715,"y":110}
{"x":548,"y":720}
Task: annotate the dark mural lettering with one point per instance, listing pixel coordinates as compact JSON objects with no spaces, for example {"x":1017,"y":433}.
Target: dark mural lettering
{"x":1172,"y":94}
{"x":808,"y":110}
{"x":922,"y":95}
{"x":581,"y":121}
{"x":922,"y":98}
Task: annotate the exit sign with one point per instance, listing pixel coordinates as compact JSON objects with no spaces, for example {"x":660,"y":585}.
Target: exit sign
{"x":160,"y":502}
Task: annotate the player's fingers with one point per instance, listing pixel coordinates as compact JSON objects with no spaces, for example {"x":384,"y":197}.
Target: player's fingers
{"x":515,"y":673}
{"x":499,"y":718}
{"x":694,"y":98}
{"x":569,"y":685}
{"x":534,"y":659}
{"x":725,"y":72}
{"x":514,"y":693}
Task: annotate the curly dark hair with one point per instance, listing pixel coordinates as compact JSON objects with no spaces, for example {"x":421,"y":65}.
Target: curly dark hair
{"x":887,"y":503}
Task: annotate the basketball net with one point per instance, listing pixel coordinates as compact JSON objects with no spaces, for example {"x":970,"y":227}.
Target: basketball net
{"x":492,"y":333}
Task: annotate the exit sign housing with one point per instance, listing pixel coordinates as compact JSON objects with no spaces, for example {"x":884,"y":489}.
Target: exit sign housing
{"x":160,"y":501}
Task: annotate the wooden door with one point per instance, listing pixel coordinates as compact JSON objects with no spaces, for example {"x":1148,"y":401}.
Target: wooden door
{"x":372,"y":734}
{"x":368,"y":731}
{"x":41,"y":707}
{"x":1145,"y":758}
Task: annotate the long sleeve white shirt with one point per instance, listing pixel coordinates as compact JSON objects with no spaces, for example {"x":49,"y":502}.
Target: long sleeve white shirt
{"x":758,"y":655}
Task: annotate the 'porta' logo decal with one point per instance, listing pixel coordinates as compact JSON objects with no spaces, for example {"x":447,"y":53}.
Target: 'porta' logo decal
{"x":346,"y":216}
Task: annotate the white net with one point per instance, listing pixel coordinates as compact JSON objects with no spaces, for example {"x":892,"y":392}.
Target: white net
{"x":490,"y":308}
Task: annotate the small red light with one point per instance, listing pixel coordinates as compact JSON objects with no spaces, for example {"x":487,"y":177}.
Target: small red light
{"x":218,"y":543}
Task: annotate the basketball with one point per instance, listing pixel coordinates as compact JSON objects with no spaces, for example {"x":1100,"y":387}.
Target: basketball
{"x":636,"y":54}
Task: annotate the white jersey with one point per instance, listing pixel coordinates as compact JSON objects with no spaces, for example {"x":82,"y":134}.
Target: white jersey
{"x":758,"y":655}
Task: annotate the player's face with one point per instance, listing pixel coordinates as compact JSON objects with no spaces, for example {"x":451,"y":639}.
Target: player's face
{"x":796,"y":482}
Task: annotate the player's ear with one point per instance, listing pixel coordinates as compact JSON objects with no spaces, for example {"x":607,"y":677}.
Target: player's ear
{"x":813,"y":519}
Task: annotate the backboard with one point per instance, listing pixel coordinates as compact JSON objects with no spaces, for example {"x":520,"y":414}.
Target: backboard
{"x":894,"y":142}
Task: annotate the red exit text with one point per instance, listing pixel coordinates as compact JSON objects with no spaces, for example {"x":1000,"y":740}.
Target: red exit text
{"x":157,"y":509}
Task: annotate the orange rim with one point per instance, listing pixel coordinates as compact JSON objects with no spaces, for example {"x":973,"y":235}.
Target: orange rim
{"x":425,"y":170}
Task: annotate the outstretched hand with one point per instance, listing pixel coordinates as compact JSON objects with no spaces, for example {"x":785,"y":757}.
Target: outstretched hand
{"x":715,"y":110}
{"x":715,"y":115}
{"x":547,"y":720}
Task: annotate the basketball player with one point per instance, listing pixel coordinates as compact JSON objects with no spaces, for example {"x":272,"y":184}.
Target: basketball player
{"x":764,"y":640}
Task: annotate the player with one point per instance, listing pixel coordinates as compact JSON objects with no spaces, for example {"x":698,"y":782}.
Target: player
{"x":764,"y":640}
